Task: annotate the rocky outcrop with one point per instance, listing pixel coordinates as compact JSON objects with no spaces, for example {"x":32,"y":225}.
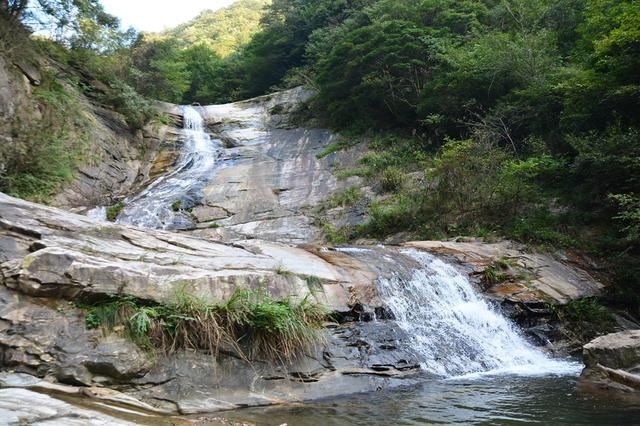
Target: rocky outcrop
{"x":612,"y":363}
{"x":50,"y":258}
{"x":120,"y":161}
{"x":268,"y":176}
{"x":528,"y":278}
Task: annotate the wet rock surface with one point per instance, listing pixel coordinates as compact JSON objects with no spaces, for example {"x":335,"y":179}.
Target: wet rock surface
{"x":268,"y":177}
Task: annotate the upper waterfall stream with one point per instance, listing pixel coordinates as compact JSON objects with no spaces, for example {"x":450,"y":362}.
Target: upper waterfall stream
{"x":161,"y":205}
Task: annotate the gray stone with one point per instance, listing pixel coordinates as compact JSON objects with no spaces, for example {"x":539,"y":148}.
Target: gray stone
{"x":615,"y":350}
{"x":612,"y":363}
{"x":22,"y":406}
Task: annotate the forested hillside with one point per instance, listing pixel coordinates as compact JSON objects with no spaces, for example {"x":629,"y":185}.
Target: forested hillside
{"x":224,"y":31}
{"x":195,"y":61}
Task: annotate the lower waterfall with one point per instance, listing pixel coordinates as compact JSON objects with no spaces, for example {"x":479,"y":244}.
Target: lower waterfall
{"x":454,"y":330}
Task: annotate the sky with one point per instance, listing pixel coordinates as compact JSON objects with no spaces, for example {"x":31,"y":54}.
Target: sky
{"x":156,"y":15}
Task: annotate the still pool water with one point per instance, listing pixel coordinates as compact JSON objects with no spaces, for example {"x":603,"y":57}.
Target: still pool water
{"x":507,"y":400}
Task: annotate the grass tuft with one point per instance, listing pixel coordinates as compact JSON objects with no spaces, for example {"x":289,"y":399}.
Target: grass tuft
{"x":250,"y":323}
{"x":113,"y":211}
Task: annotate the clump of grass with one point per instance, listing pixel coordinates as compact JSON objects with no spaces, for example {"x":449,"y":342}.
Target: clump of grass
{"x":113,"y":211}
{"x":346,"y":198}
{"x":250,"y":323}
{"x":392,"y":179}
{"x":176,"y":205}
{"x":336,"y":146}
{"x":498,"y":271}
{"x":281,"y":270}
{"x":213,"y":225}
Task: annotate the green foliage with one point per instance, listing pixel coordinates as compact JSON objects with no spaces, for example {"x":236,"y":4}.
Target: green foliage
{"x":137,"y":110}
{"x":44,"y":153}
{"x":392,"y":215}
{"x":250,"y":323}
{"x":345,"y":198}
{"x":333,"y":235}
{"x":213,"y":225}
{"x":176,"y":205}
{"x":224,"y":31}
{"x":586,"y":318}
{"x":392,"y":179}
{"x":629,"y":215}
{"x":113,"y":211}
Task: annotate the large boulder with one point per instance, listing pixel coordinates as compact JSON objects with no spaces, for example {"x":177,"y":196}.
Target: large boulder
{"x":612,"y":362}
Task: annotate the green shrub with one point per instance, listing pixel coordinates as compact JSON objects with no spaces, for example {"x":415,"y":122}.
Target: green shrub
{"x":113,"y":211}
{"x":394,"y":215}
{"x":345,"y":198}
{"x":586,"y":318}
{"x":392,"y":179}
{"x":333,"y":235}
{"x":137,"y":110}
{"x":176,"y":205}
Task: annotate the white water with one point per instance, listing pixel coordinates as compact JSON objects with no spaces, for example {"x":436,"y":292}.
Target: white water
{"x":455,"y":331}
{"x":152,"y":208}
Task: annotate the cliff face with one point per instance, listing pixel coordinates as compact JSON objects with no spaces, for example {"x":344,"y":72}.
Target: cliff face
{"x":112,"y":162}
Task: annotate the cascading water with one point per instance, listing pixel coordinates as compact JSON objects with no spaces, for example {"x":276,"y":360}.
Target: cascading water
{"x":454,"y":330}
{"x":161,"y":205}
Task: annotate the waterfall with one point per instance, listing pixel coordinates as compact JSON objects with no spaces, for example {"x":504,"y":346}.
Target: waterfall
{"x":454,"y":330}
{"x":163,"y":204}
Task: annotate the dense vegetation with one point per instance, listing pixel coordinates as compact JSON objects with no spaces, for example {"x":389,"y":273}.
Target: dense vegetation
{"x":196,"y":61}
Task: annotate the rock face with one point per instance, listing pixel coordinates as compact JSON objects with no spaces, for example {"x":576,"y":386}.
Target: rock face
{"x":50,"y":257}
{"x":121,"y":161}
{"x":21,"y":406}
{"x":612,"y":362}
{"x":555,"y":278}
{"x":268,"y":177}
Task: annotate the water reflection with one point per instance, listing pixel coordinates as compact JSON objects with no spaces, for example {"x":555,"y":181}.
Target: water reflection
{"x":491,"y":401}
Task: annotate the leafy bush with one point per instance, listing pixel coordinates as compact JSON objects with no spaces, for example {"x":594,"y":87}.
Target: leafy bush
{"x":393,"y":215}
{"x":392,"y":179}
{"x":137,"y":111}
{"x":113,"y":211}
